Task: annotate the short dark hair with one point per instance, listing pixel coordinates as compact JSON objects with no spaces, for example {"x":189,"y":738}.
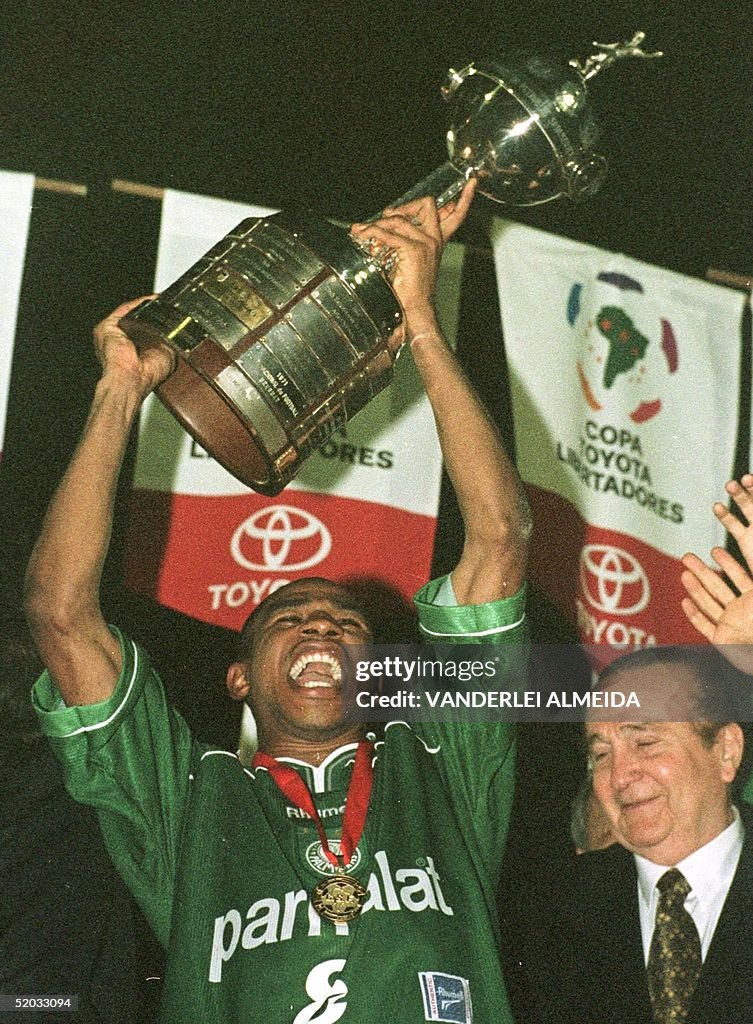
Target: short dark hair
{"x":721,"y":687}
{"x":247,"y":636}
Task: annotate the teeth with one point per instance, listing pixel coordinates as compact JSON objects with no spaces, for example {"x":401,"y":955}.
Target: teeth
{"x":316,"y":658}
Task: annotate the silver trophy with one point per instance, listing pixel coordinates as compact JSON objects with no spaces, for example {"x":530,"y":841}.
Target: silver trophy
{"x":281,"y":330}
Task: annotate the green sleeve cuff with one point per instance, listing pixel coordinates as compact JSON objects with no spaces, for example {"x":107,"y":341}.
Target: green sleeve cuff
{"x":58,"y":721}
{"x":491,"y":623}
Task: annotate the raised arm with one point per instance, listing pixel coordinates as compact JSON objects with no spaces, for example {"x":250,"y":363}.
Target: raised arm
{"x":721,"y":613}
{"x":495,"y":513}
{"x":64,"y":572}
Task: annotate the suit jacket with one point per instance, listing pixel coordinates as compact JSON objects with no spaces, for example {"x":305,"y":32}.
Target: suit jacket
{"x":583,"y":955}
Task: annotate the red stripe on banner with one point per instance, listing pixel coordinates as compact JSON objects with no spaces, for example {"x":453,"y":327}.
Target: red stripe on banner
{"x":617,"y":590}
{"x":215,"y":558}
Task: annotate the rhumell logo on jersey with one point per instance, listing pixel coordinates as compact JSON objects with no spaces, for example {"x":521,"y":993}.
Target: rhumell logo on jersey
{"x":275,"y":919}
{"x":325,"y":812}
{"x":446,"y":997}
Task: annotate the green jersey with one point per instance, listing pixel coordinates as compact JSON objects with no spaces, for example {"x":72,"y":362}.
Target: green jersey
{"x":223,"y":864}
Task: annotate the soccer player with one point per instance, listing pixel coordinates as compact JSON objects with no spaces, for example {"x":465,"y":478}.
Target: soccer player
{"x":343,"y":874}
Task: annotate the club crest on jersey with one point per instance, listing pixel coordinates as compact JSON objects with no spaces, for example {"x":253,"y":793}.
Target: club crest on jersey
{"x":316,"y":859}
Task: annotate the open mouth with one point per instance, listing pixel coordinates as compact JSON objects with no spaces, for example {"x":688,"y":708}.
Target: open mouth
{"x":316,"y":670}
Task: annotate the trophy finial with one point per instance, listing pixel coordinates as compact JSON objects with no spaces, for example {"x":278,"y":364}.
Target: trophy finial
{"x":608,"y":53}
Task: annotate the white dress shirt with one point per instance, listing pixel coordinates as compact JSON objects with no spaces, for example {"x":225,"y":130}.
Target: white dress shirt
{"x":709,"y":872}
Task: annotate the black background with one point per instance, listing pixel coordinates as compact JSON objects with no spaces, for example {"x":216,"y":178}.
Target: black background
{"x":336,"y":106}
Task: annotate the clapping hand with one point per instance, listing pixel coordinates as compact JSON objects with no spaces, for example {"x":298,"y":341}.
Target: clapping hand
{"x":722,"y":610}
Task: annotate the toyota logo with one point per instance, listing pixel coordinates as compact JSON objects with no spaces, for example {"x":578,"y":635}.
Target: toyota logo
{"x":613,"y":580}
{"x":280,"y":537}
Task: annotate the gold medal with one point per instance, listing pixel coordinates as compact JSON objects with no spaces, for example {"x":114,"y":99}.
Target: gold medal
{"x":339,"y":898}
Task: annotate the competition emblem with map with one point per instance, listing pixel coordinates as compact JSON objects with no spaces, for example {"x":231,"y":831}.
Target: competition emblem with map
{"x":626,"y":347}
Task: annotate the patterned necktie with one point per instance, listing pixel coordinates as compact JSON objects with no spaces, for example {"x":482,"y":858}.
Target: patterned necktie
{"x":674,"y":959}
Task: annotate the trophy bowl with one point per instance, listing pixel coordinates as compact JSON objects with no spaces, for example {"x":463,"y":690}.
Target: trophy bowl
{"x":281,"y":331}
{"x":527,"y":128}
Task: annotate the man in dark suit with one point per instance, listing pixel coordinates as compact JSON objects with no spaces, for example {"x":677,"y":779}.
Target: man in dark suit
{"x":660,"y":927}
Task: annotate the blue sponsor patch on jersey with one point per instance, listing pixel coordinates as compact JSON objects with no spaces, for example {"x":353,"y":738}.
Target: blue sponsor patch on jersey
{"x":446,"y":997}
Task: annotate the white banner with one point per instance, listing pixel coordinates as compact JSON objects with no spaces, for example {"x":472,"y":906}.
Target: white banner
{"x":366,"y":504}
{"x":625,"y":387}
{"x":16,"y":192}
